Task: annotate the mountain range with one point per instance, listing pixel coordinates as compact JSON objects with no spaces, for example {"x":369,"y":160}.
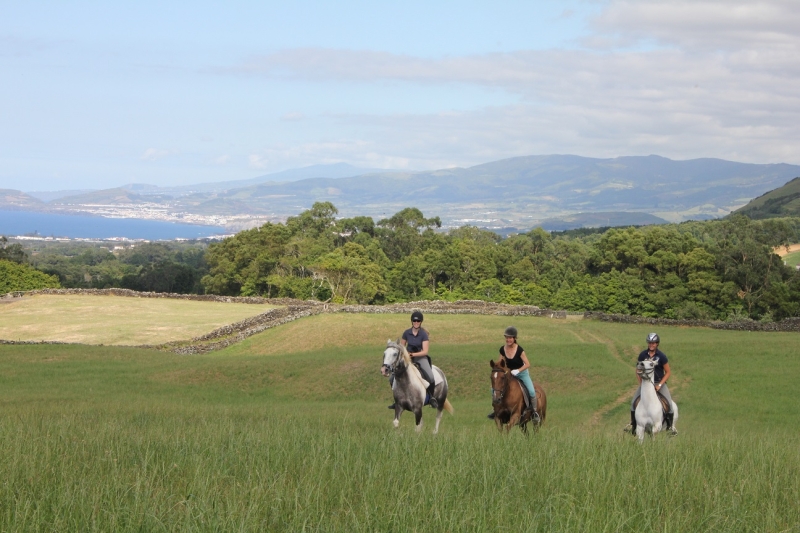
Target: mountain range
{"x":554,"y":191}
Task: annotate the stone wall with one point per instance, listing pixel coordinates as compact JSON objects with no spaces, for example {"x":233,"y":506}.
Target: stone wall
{"x":788,"y":324}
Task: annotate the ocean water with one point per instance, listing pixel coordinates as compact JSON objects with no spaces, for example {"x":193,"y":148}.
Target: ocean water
{"x":13,"y":223}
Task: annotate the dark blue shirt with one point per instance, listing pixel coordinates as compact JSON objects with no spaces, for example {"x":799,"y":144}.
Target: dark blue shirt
{"x":414,"y":342}
{"x":660,"y":360}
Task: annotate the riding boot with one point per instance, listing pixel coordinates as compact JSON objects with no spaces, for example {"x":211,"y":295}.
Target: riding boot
{"x":633,"y":423}
{"x":432,"y":402}
{"x":669,"y":418}
{"x":391,"y":406}
{"x":490,"y":416}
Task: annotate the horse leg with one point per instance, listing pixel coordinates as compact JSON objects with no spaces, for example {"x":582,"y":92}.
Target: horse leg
{"x":438,"y":418}
{"x":397,"y":412}
{"x":640,"y":433}
{"x":498,"y":422}
{"x":514,"y":420}
{"x":418,"y":417}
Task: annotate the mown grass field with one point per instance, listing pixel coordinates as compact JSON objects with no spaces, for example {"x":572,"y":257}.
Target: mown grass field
{"x":117,"y":320}
{"x":792,"y":259}
{"x":289,"y":431}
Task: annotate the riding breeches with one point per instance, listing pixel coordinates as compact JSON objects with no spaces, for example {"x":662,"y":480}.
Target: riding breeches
{"x":425,"y":369}
{"x":526,"y":379}
{"x":664,"y":391}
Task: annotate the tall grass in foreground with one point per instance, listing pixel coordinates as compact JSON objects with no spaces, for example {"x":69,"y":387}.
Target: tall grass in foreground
{"x":188,"y":468}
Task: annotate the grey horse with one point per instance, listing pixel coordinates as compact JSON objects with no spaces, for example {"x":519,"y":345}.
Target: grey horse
{"x":409,"y":386}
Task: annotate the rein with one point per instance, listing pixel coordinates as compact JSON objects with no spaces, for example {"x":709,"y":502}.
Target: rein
{"x":399,"y":367}
{"x":505,"y":385}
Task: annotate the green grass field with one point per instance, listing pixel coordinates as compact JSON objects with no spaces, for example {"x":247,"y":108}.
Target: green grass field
{"x":289,"y":431}
{"x":117,"y":320}
{"x":792,"y":259}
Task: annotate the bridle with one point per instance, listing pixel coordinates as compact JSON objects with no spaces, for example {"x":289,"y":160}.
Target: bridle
{"x":398,"y":368}
{"x":644,"y":373}
{"x":501,"y":391}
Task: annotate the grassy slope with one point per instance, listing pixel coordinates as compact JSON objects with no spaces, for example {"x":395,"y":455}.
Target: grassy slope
{"x":289,"y":431}
{"x":792,"y":259}
{"x":115,"y":319}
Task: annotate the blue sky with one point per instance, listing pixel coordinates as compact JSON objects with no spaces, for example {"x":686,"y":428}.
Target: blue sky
{"x":96,"y":95}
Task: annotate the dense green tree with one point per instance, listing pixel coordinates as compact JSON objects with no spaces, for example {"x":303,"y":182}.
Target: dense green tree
{"x":21,"y":277}
{"x":12,"y":252}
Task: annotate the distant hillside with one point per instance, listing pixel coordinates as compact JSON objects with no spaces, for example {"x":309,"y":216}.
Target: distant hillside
{"x":109,"y":197}
{"x":598,"y":220}
{"x":517,"y":193}
{"x":17,"y":200}
{"x":781,"y":202}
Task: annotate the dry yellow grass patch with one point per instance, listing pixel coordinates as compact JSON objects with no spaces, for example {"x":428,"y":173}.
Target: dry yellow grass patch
{"x":94,"y":319}
{"x":783,"y":251}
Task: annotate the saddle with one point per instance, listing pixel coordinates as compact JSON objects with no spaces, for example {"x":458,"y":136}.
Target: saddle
{"x":525,"y":394}
{"x":664,"y":403}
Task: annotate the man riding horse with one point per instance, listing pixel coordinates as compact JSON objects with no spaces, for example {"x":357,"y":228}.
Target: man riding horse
{"x":661,"y":375}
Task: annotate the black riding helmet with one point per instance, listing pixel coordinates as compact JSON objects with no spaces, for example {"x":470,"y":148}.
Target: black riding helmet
{"x":416,"y":315}
{"x":511,"y":331}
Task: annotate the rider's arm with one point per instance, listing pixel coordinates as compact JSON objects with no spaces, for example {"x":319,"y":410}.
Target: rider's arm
{"x":667,"y":374}
{"x":525,"y":364}
{"x":422,"y":352}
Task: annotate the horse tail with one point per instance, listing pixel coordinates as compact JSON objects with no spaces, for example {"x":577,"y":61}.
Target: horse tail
{"x":448,"y":407}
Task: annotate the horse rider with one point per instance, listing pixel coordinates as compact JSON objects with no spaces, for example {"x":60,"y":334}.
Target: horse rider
{"x":661,"y":374}
{"x":416,"y":341}
{"x":517,"y":361}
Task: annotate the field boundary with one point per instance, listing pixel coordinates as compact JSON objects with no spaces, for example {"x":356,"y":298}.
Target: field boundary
{"x":293,"y":309}
{"x":787,"y":324}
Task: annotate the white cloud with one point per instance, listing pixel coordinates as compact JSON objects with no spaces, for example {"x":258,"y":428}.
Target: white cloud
{"x":293,"y":117}
{"x":694,"y":79}
{"x":154,"y":154}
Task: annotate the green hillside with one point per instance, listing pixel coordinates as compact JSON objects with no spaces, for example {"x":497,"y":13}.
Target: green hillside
{"x":289,"y":431}
{"x":781,"y":202}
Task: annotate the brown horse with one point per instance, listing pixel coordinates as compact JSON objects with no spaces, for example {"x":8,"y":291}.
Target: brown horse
{"x":509,"y":403}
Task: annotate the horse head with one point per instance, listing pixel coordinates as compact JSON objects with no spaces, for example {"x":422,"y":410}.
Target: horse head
{"x":499,"y":380}
{"x":646,"y":369}
{"x":392,"y":356}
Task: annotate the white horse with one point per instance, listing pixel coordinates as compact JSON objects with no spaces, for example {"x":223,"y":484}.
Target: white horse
{"x":409,"y":388}
{"x":650,"y":411}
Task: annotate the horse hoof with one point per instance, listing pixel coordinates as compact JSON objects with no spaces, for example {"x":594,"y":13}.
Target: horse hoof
{"x":396,"y":423}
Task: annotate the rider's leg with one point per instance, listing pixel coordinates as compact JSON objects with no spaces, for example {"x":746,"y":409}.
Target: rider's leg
{"x":427,"y":375}
{"x":526,"y":379}
{"x":664,"y":391}
{"x":632,"y":427}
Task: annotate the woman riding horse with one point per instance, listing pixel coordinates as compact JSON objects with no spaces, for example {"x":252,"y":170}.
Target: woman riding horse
{"x":516,"y":359}
{"x":661,"y":375}
{"x":416,"y":341}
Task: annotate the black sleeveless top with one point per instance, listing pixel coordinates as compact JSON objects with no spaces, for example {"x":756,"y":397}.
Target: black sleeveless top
{"x":515,"y":362}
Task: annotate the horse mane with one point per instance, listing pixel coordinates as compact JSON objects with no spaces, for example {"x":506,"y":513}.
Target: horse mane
{"x":410,"y":367}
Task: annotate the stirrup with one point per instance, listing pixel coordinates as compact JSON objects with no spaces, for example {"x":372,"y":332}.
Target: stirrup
{"x":672,"y":431}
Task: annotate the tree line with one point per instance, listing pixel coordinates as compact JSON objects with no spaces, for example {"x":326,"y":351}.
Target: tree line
{"x":706,"y":270}
{"x":716,"y":269}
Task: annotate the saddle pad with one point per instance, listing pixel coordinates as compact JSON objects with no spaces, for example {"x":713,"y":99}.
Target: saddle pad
{"x":662,"y":399}
{"x":437,"y":375}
